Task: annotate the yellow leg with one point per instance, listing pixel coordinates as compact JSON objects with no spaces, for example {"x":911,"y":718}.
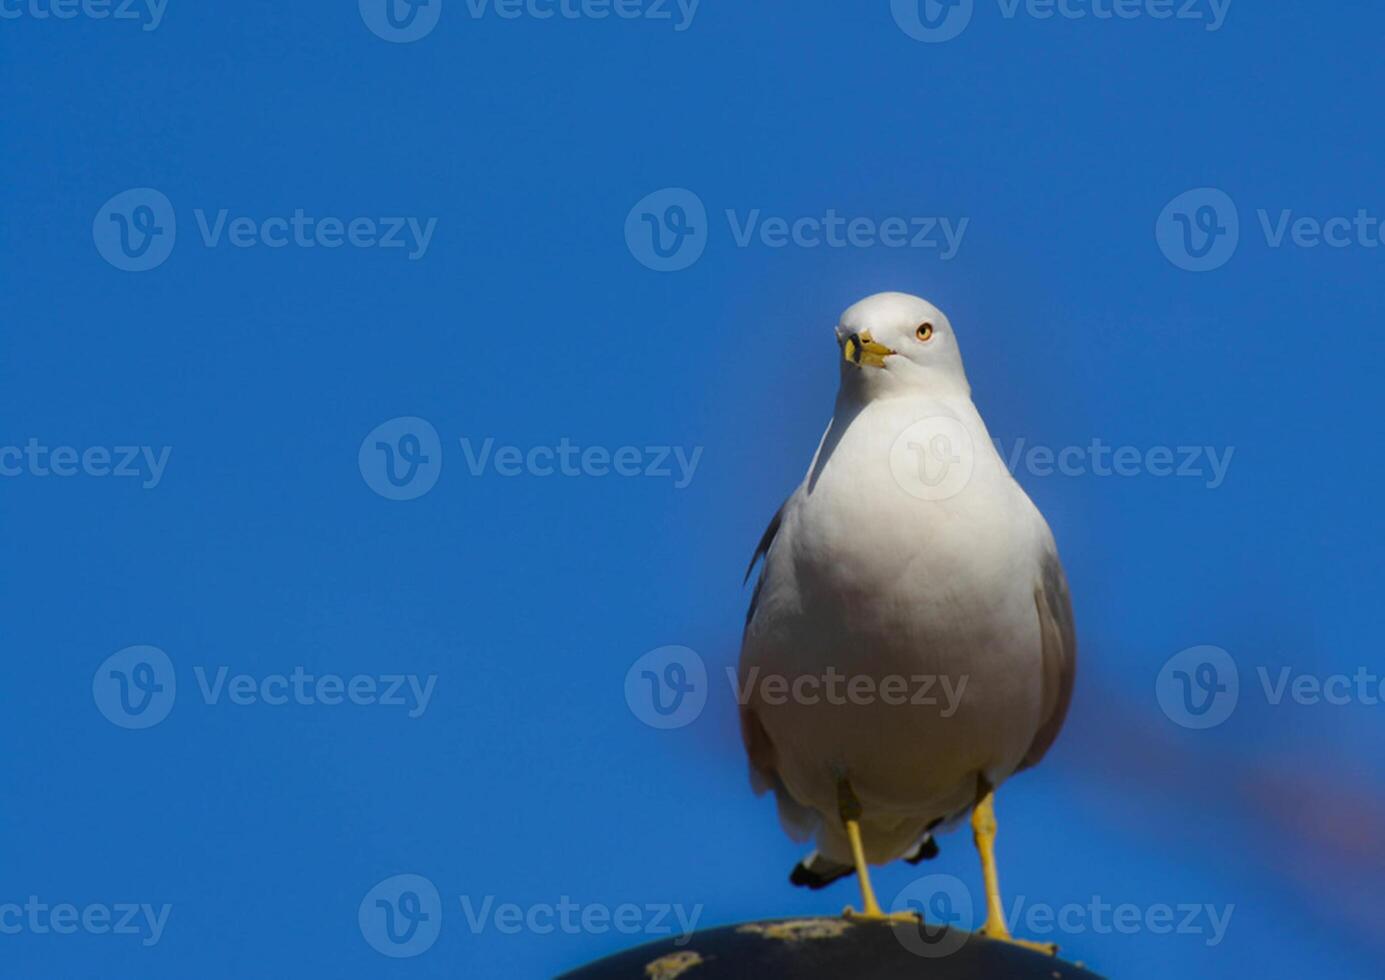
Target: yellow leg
{"x":983,"y":829}
{"x":870,"y":908}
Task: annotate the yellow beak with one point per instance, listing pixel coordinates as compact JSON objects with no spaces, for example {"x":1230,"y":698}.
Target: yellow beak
{"x":862,"y":350}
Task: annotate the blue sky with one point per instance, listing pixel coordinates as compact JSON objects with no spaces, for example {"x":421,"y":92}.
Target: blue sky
{"x":368,"y":259}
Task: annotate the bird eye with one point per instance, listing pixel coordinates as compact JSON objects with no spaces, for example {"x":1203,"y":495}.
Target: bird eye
{"x":924,"y":332}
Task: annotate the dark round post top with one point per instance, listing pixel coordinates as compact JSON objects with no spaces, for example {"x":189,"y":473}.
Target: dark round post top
{"x":830,"y":949}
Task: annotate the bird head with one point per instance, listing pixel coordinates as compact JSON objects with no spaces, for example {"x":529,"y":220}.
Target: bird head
{"x":894,"y":343}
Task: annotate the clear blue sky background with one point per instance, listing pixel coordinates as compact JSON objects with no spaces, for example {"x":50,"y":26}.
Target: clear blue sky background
{"x":528,"y":320}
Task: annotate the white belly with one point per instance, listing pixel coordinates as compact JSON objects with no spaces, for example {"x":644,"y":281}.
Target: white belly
{"x":916,"y":600}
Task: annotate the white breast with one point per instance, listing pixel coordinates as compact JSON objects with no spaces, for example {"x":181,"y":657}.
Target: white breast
{"x":866,"y":579}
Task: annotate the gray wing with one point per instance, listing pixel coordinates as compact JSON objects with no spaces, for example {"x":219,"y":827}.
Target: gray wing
{"x":1059,"y":653}
{"x":761,"y":551}
{"x":799,"y":822}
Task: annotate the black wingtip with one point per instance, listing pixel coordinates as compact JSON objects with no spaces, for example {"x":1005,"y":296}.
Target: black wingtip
{"x":762,"y":549}
{"x":803,"y":878}
{"x":927,"y":851}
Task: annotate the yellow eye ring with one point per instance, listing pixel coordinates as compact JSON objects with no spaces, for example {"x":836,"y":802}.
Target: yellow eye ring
{"x":924,"y":332}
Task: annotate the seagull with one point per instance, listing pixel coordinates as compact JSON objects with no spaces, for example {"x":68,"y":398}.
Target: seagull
{"x":907,"y":563}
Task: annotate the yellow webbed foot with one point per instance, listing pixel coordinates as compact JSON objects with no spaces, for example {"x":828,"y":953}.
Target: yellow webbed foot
{"x":877,"y":915}
{"x":1001,"y":934}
